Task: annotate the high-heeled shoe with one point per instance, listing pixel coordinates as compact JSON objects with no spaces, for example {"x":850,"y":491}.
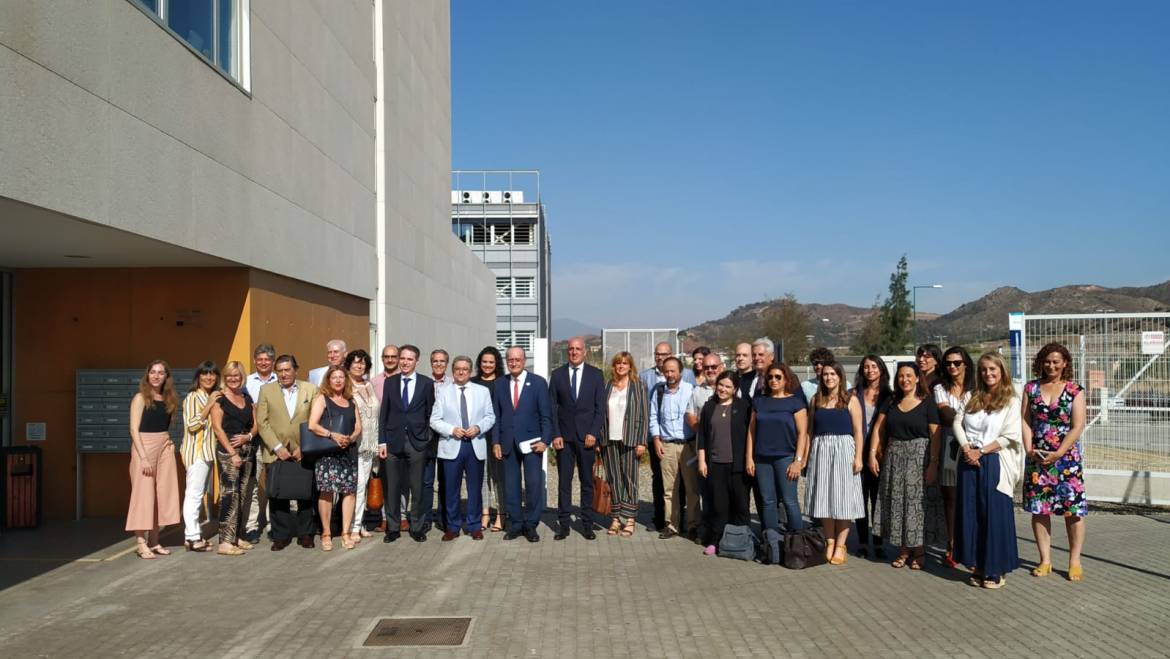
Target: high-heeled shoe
{"x":829,"y":550}
{"x":1075,"y":573}
{"x":839,"y":558}
{"x":326,"y":542}
{"x":197,"y":545}
{"x":244,"y":544}
{"x":1042,"y":570}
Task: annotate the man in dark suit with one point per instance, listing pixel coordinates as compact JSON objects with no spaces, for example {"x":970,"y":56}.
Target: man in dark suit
{"x":577,"y":392}
{"x":522,"y":433}
{"x":404,"y":443}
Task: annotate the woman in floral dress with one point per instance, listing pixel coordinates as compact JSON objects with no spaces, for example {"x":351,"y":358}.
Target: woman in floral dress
{"x":1054,"y":418}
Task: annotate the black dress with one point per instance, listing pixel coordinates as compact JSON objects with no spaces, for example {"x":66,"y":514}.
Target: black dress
{"x":338,"y":472}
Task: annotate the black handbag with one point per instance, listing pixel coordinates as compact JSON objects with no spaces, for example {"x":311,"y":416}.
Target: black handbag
{"x":804,"y":548}
{"x":315,"y":447}
{"x":289,"y":479}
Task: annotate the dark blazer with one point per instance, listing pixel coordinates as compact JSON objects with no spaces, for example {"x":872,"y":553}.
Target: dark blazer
{"x":532,"y":417}
{"x":573,"y":419}
{"x":636,"y":424}
{"x":396,"y":425}
{"x":741,"y":417}
{"x":745,"y":382}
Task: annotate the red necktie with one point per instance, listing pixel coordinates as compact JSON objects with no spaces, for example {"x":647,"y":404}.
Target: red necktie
{"x":515,"y":392}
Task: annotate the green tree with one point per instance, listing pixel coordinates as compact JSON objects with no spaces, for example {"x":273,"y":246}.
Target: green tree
{"x":788,"y":324}
{"x":869,"y":340}
{"x":895,"y":319}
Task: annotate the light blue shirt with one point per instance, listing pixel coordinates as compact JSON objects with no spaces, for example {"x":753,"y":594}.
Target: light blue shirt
{"x":671,"y":425}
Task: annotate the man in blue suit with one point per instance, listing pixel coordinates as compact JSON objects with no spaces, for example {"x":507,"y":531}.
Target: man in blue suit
{"x":405,"y":442}
{"x":577,"y":392}
{"x":522,"y":433}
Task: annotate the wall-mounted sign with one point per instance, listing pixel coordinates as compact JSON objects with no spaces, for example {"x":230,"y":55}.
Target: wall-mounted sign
{"x":34,"y":431}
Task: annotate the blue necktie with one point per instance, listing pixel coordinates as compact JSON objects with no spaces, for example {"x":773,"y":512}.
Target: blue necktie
{"x":573,"y":383}
{"x":405,"y":393}
{"x":463,"y":407}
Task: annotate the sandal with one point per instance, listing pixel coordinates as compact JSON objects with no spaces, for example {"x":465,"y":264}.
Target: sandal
{"x":839,"y":556}
{"x":347,"y":541}
{"x":994,"y":584}
{"x":362,"y":533}
{"x":975,"y":580}
{"x":628,"y":530}
{"x":487,"y":518}
{"x":1075,"y":573}
{"x":614,"y":528}
{"x":144,"y":551}
{"x":900,"y":561}
{"x":1042,"y":570}
{"x":917,"y":561}
{"x":196,"y":545}
{"x":830,"y":549}
{"x":160,"y":550}
{"x":244,"y":544}
{"x":327,"y":542}
{"x":949,"y":561}
{"x":229,"y":550}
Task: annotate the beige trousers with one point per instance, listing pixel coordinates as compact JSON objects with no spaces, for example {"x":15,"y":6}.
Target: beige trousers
{"x":675,"y":459}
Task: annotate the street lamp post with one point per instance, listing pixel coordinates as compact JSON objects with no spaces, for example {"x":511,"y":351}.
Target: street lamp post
{"x":914,"y":307}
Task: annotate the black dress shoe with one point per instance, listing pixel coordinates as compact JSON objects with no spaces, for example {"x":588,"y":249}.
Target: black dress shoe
{"x":532,"y":535}
{"x":562,"y":532}
{"x":277,"y":545}
{"x":306,"y":541}
{"x":667,"y":533}
{"x":391,"y":537}
{"x":512,"y":535}
{"x":588,"y":534}
{"x":419,"y":537}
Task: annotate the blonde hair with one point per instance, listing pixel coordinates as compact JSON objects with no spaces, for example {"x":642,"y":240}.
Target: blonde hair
{"x":327,"y":391}
{"x":992,"y":400}
{"x":233,"y":366}
{"x":623,"y":356}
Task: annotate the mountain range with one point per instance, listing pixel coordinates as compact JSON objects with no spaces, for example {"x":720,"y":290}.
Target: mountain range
{"x":984,"y":319}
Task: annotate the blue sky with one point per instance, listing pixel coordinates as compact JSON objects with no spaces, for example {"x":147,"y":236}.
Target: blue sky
{"x":700,"y":155}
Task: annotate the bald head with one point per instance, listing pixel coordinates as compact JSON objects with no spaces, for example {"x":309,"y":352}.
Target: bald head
{"x":515,"y":359}
{"x":661,"y":351}
{"x":576,"y":350}
{"x":743,"y":357}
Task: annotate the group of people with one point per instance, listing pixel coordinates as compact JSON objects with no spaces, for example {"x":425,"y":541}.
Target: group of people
{"x":938,"y":454}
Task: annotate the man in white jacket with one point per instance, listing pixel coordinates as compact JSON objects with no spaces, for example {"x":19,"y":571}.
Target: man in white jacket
{"x":462,"y":416}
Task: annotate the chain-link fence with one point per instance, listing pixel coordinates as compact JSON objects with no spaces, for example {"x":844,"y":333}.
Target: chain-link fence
{"x":1121,"y":361}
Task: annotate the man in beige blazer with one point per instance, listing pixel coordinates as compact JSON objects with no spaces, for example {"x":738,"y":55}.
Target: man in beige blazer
{"x":282,"y":408}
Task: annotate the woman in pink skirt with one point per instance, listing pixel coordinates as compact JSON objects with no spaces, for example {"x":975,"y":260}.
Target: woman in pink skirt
{"x":154,"y":481}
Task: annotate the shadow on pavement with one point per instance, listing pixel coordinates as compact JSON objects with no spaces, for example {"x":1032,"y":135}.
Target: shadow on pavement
{"x":1161,"y":575}
{"x":28,"y":553}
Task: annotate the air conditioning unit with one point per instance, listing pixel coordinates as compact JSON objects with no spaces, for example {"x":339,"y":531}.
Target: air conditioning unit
{"x":457,"y":197}
{"x":513,"y":196}
{"x":492,"y":197}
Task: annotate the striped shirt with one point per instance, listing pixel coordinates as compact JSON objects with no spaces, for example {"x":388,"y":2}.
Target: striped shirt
{"x":198,"y":438}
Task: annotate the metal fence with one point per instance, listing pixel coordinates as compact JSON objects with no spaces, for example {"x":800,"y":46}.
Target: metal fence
{"x":1120,"y":360}
{"x":638,"y":342}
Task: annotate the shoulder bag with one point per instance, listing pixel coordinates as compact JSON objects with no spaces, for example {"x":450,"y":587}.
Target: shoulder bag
{"x":315,"y":447}
{"x":602,"y":497}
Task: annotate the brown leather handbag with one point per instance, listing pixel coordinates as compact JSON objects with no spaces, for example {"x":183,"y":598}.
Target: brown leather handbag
{"x":374,"y":497}
{"x":602,"y":497}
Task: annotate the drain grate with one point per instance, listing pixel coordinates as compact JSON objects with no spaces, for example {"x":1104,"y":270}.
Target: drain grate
{"x":391,"y":632}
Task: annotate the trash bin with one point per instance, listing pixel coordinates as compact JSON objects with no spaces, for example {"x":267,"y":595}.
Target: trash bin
{"x":20,"y":498}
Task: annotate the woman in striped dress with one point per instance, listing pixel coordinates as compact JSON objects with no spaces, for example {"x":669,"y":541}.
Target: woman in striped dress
{"x":833,"y":494}
{"x":623,"y":440}
{"x":198,"y":449}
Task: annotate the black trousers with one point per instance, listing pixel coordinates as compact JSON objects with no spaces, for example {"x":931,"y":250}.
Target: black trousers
{"x":869,"y":494}
{"x":727,"y":492}
{"x":406,"y":472}
{"x":286,"y":524}
{"x":656,"y":487}
{"x":574,"y":455}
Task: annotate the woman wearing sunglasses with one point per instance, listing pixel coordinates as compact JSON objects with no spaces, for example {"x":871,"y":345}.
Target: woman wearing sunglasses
{"x":952,"y":393}
{"x":777,"y":443}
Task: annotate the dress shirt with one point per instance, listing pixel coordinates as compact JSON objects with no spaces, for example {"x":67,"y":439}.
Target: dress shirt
{"x":579,"y":370}
{"x":672,"y":426}
{"x":290,"y":399}
{"x":441,"y":382}
{"x":379,"y":382}
{"x":809,"y":388}
{"x":408,"y":382}
{"x":699,"y":398}
{"x":317,"y":374}
{"x":445,"y":418}
{"x":254,"y":382}
{"x":513,"y":383}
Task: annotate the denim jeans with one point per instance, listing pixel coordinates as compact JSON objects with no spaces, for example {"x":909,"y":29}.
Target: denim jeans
{"x":772,"y":479}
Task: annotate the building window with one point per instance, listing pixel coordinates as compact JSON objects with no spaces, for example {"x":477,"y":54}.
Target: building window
{"x":495,"y":234}
{"x":523,"y":338}
{"x":215,"y":29}
{"x":515,"y":288}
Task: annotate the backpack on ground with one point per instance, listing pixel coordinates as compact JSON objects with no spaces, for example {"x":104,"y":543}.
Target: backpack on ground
{"x":738,"y":542}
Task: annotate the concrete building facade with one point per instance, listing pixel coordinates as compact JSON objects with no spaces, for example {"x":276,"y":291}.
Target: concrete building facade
{"x":507,"y":230}
{"x":184,"y":185}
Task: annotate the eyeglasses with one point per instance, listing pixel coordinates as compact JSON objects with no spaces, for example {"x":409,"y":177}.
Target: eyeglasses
{"x":954,"y":364}
{"x":662,"y":354}
{"x":817,"y":362}
{"x":775,"y":376}
{"x":711,"y":367}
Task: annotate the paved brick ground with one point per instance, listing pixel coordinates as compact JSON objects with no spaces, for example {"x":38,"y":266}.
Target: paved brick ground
{"x":611,"y":597}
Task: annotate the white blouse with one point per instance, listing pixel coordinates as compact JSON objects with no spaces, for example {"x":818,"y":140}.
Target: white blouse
{"x":978,"y":427}
{"x":617,"y":413}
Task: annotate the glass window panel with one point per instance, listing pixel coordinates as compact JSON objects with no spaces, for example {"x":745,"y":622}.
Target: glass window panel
{"x":152,"y":5}
{"x":229,"y":38}
{"x":192,"y":21}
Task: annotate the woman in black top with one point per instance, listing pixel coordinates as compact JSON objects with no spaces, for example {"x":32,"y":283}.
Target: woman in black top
{"x":487,"y":369}
{"x":154,"y":479}
{"x":905,"y":456}
{"x":233,"y":420}
{"x":722,"y":439}
{"x":334,"y":415}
